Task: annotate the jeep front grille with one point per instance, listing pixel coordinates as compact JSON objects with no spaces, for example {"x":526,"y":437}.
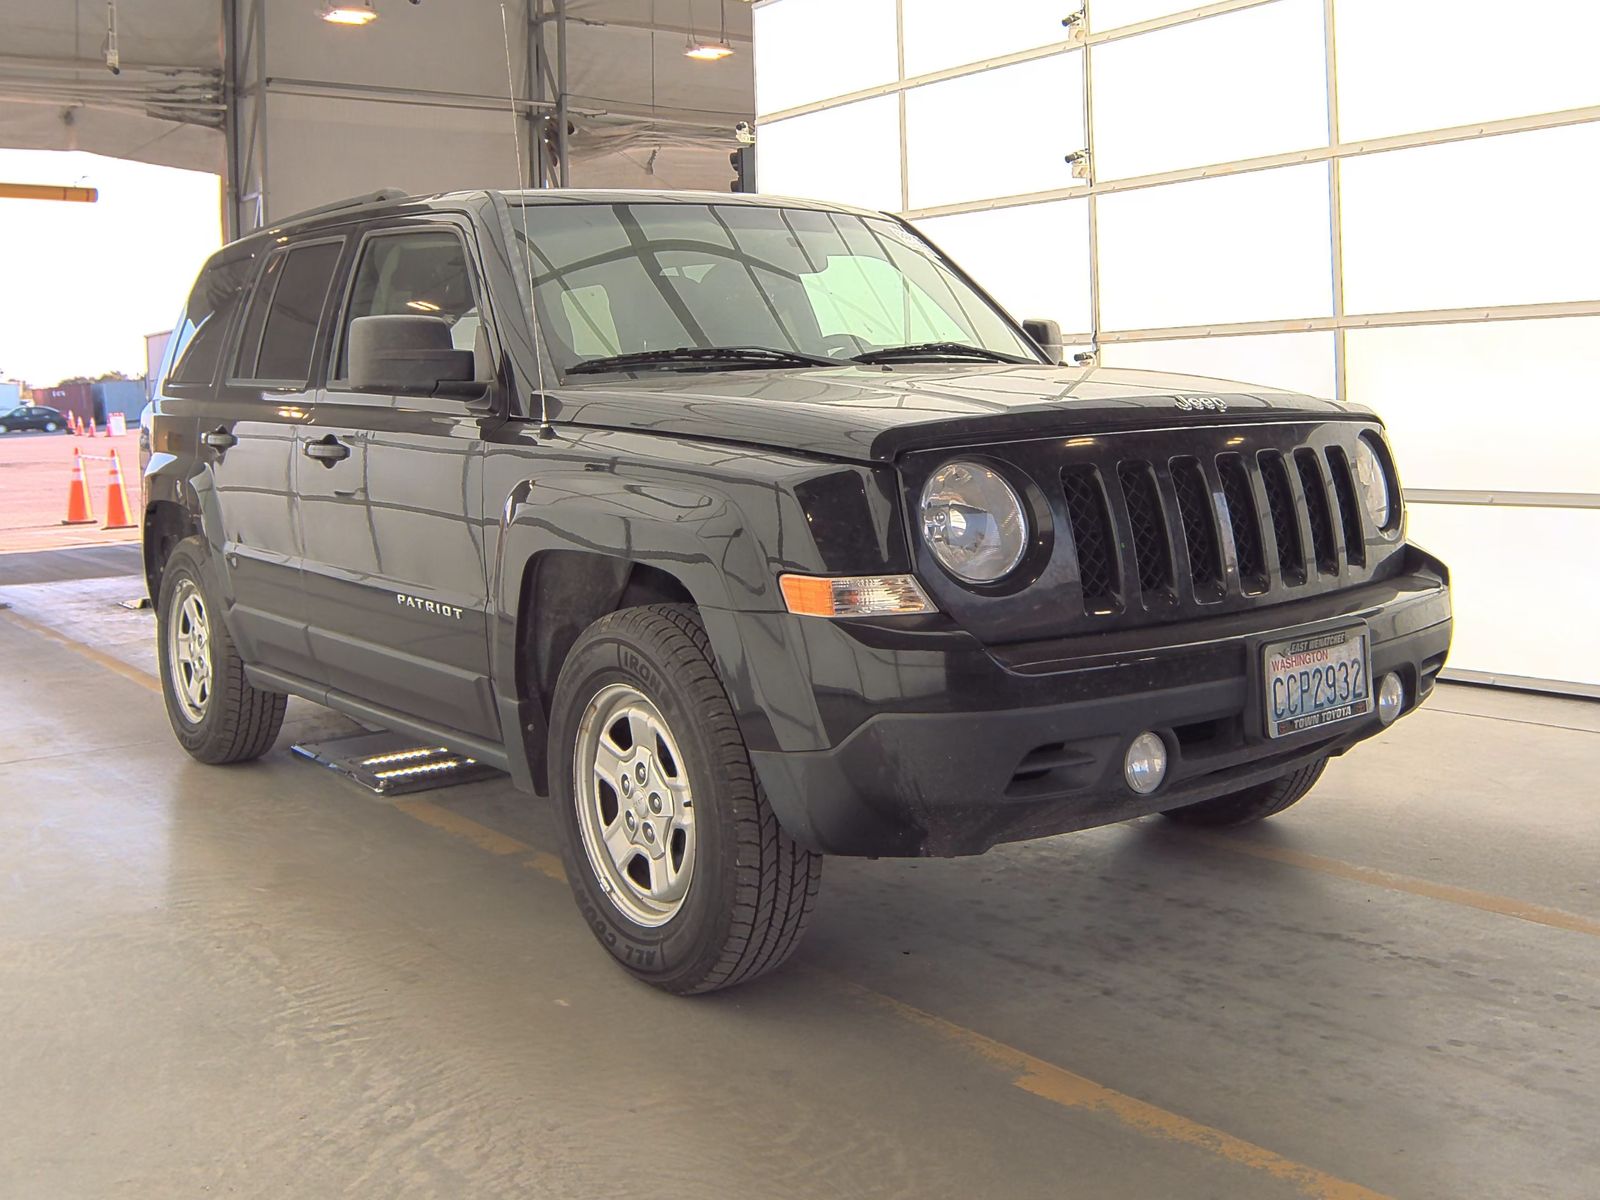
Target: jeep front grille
{"x":1224,"y":527}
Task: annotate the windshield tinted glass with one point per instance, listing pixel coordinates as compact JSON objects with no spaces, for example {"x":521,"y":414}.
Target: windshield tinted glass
{"x":625,"y":278}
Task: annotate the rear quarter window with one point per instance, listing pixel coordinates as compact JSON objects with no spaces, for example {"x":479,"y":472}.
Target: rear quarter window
{"x":280,"y":331}
{"x":200,"y":337}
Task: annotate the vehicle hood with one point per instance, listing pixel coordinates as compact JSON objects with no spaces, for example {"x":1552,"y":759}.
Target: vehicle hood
{"x":866,"y":413}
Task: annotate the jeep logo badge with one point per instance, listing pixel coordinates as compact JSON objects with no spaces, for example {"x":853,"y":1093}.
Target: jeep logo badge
{"x":1203,"y":404}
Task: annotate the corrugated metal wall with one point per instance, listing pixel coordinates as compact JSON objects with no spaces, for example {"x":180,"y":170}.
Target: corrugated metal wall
{"x":1385,"y":200}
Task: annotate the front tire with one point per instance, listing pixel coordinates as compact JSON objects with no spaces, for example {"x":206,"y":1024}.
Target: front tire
{"x":215,"y":713}
{"x":1251,"y":804}
{"x":674,"y":856}
{"x":51,"y":427}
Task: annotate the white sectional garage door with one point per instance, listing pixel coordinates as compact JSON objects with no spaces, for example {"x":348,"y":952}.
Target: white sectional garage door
{"x":1391,"y":201}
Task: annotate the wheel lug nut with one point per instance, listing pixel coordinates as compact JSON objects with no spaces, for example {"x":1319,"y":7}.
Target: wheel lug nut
{"x":649,"y":833}
{"x":640,"y":772}
{"x":655,"y":803}
{"x":630,"y":820}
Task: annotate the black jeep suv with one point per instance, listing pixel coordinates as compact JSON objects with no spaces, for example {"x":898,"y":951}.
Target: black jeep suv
{"x":751,"y":530}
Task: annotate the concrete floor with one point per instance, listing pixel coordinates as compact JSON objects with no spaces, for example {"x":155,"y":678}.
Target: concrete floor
{"x":262,"y":981}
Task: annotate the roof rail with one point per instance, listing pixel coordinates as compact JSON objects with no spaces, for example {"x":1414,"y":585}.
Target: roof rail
{"x":380,"y":196}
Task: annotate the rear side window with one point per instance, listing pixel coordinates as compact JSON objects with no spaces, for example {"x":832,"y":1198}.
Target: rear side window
{"x":280,"y":330}
{"x":199,"y":337}
{"x":413,"y":274}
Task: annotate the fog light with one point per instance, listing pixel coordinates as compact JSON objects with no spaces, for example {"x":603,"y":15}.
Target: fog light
{"x":1145,"y":764}
{"x":1391,"y":698}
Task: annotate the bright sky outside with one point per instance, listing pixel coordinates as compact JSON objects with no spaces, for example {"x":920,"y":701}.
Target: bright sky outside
{"x":81,"y":284}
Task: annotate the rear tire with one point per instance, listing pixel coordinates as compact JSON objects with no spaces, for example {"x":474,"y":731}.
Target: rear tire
{"x":739,"y":907}
{"x":215,"y":713}
{"x":1250,"y":804}
{"x":51,"y":427}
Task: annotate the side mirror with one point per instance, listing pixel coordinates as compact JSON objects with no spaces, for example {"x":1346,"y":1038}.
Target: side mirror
{"x":410,"y":354}
{"x":1047,"y":334}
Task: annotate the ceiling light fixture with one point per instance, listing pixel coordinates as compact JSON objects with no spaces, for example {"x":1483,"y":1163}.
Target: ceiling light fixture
{"x":703,"y":51}
{"x":707,"y":51}
{"x":352,"y":12}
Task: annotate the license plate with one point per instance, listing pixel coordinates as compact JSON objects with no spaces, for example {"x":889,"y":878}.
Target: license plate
{"x":1316,"y":680}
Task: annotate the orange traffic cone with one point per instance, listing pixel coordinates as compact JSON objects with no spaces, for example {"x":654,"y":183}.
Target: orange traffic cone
{"x":72,"y":423}
{"x":79,"y":510}
{"x":119,"y":513}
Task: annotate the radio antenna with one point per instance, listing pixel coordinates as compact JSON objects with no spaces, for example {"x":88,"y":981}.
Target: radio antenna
{"x":527,"y":245}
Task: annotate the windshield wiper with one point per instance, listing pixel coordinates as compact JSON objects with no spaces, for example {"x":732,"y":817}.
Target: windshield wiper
{"x":935,"y":352}
{"x":755,"y":356}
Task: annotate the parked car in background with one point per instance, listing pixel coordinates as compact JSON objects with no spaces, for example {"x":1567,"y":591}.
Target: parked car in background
{"x":33,"y":416}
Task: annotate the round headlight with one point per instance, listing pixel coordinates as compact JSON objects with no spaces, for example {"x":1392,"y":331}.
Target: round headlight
{"x":1373,"y":481}
{"x":973,"y":521}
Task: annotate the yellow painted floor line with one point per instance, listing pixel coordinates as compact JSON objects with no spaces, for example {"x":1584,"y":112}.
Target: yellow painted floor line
{"x":451,"y":822}
{"x":98,"y":657}
{"x":1069,"y":1090}
{"x":482,"y":836}
{"x":1505,"y":906}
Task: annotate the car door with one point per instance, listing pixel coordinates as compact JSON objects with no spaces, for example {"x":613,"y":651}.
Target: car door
{"x":248,"y":430}
{"x":391,"y":493}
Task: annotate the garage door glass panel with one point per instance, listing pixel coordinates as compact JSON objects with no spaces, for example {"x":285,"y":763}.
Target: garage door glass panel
{"x":1034,"y":260}
{"x":808,"y":50}
{"x":1239,"y":86}
{"x":948,"y":33}
{"x":1441,"y":389}
{"x":1296,"y":362}
{"x":1244,"y":248}
{"x":997,"y":133}
{"x":849,"y":155}
{"x":1431,"y":64}
{"x":1502,"y":220}
{"x":1494,"y":627}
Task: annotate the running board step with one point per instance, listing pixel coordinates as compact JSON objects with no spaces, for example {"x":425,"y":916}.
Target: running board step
{"x":394,"y":764}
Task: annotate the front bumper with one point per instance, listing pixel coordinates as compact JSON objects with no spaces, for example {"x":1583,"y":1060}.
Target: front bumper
{"x":989,"y":745}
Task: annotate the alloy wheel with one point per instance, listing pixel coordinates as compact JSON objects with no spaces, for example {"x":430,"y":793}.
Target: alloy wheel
{"x":189,"y":651}
{"x":635,"y":808}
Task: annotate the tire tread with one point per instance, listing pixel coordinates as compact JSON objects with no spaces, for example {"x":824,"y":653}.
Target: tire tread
{"x":777,"y":881}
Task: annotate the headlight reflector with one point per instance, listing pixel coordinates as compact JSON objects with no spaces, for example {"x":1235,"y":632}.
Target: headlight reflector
{"x":973,"y":521}
{"x":1373,"y":481}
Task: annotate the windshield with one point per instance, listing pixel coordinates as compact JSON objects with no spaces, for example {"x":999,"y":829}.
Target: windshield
{"x":625,"y":279}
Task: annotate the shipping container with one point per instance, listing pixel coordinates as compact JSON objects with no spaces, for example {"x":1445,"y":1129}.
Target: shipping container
{"x":76,"y":398}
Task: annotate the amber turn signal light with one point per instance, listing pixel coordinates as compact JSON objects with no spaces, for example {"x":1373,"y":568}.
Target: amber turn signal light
{"x":853,"y":596}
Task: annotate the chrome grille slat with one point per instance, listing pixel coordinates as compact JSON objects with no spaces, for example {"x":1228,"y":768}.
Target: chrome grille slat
{"x":1152,"y":549}
{"x":1199,"y":528}
{"x":1285,"y":518}
{"x":1092,"y":536}
{"x":1344,"y":489}
{"x":1244,"y":522}
{"x":1317,"y":509}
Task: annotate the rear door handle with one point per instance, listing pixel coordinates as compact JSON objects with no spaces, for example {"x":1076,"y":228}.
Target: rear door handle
{"x":327,"y":450}
{"x":220,"y":439}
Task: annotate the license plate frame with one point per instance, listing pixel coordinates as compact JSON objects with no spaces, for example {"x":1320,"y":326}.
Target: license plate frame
{"x":1331,"y":662}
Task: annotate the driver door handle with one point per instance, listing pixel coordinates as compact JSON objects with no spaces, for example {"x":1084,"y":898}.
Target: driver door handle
{"x":327,"y":450}
{"x":220,"y":439}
